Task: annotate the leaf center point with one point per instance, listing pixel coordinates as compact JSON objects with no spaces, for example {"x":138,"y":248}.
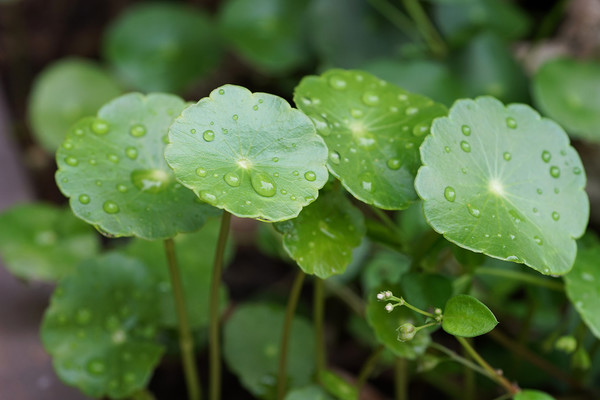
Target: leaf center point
{"x":496,"y":187}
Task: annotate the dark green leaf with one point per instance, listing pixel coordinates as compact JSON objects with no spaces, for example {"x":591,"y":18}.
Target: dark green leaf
{"x":505,"y":182}
{"x":425,"y":291}
{"x":62,"y":94}
{"x":113,"y":170}
{"x":39,"y":241}
{"x":386,"y":267}
{"x":101,"y":325}
{"x":250,"y":154}
{"x":373,"y":130}
{"x":466,"y":316}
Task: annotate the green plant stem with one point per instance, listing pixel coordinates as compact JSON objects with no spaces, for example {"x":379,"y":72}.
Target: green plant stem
{"x":186,"y":341}
{"x":426,"y":28}
{"x":318,"y":316}
{"x":521,"y":276}
{"x":285,"y":337}
{"x":401,"y":378}
{"x":214,"y":340}
{"x":501,"y":380}
{"x":459,"y":359}
{"x":368,"y":367}
{"x":395,"y":16}
{"x":403,"y":302}
{"x":469,"y":383}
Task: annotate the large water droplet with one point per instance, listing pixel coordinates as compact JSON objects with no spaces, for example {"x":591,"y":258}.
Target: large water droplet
{"x":263,"y":184}
{"x":546,"y":156}
{"x":370,"y":98}
{"x":473,"y":211}
{"x":150,"y":180}
{"x":96,"y":367}
{"x":310,"y":176}
{"x":232,"y":179}
{"x":84,"y":199}
{"x":201,"y":172}
{"x":366,"y":182}
{"x":334,"y":156}
{"x":465,"y":146}
{"x":507,"y":156}
{"x":137,"y":130}
{"x":131,"y":152}
{"x":72,"y":161}
{"x":110,"y":207}
{"x":337,"y":82}
{"x":208,"y":135}
{"x":554,"y":171}
{"x":555,"y":216}
{"x":466,"y":130}
{"x":99,"y":126}
{"x":450,"y":193}
{"x":394,"y":163}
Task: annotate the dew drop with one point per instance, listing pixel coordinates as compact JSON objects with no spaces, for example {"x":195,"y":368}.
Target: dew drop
{"x":232,"y":179}
{"x":235,"y":117}
{"x":72,"y":161}
{"x":321,"y":125}
{"x":121,"y":188}
{"x":92,"y":161}
{"x":255,"y":107}
{"x":193,"y":131}
{"x":310,"y":176}
{"x":334,"y":156}
{"x":411,"y":111}
{"x":99,"y":126}
{"x":546,"y":156}
{"x":110,"y":207}
{"x":275,"y":159}
{"x":337,"y":82}
{"x":465,"y":146}
{"x":554,"y":171}
{"x":507,"y":156}
{"x":511,"y":123}
{"x":84,"y":199}
{"x":447,"y":149}
{"x":366,"y":182}
{"x":555,"y":216}
{"x":208,"y":197}
{"x":221,"y":91}
{"x":295,"y":173}
{"x":68,"y":145}
{"x":263,"y":184}
{"x":260,"y":101}
{"x":538,"y":240}
{"x":516,"y":217}
{"x":98,"y":182}
{"x":150,"y":180}
{"x":370,"y":98}
{"x":394,"y":163}
{"x":208,"y":135}
{"x":79,"y":132}
{"x":283,"y":191}
{"x":165,"y":139}
{"x":473,"y":211}
{"x":466,"y":130}
{"x":131,"y":152}
{"x":201,"y":172}
{"x":421,"y":129}
{"x":577,"y":170}
{"x":113,"y":158}
{"x":450,"y":193}
{"x":137,"y":130}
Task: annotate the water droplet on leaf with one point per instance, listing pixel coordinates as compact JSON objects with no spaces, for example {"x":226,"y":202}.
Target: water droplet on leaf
{"x":84,"y":199}
{"x":150,"y":180}
{"x":465,"y":146}
{"x":310,"y":176}
{"x":99,"y":126}
{"x":466,"y":130}
{"x":208,"y":135}
{"x":263,"y":184}
{"x":137,"y":130}
{"x":394,"y":163}
{"x":511,"y":123}
{"x":554,"y":171}
{"x":450,"y":193}
{"x":232,"y":179}
{"x":546,"y":156}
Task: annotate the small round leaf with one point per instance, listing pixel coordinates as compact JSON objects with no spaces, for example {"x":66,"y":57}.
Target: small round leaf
{"x":113,"y":170}
{"x":65,"y":92}
{"x":373,"y":130}
{"x":466,"y":316}
{"x":252,"y":340}
{"x":504,"y":182}
{"x":39,"y":241}
{"x":162,"y":46}
{"x":250,"y":154}
{"x":322,"y":237}
{"x":100,"y":327}
{"x":566,"y":90}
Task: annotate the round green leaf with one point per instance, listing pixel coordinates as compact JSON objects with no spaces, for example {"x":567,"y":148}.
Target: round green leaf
{"x":196,"y":272}
{"x":386,"y":267}
{"x":582,"y":284}
{"x":308,"y":393}
{"x":504,"y":182}
{"x":566,"y":90}
{"x":252,"y":339}
{"x":322,"y":237}
{"x":337,"y":386}
{"x":162,"y":46}
{"x":466,"y":316}
{"x":112,"y":169}
{"x":384,"y":325}
{"x":528,"y":394}
{"x":100,"y":327}
{"x":250,"y":154}
{"x":373,"y":130}
{"x":40,"y":241}
{"x":268,"y":33}
{"x":65,"y":92}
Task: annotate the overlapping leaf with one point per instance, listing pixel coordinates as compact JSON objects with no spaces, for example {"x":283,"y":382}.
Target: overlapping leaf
{"x":466,"y":316}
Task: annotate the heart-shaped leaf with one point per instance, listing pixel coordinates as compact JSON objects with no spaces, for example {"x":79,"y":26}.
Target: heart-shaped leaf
{"x":250,"y":154}
{"x":195,"y":271}
{"x":566,"y":90}
{"x":384,"y":325}
{"x":62,"y":94}
{"x":113,"y":170}
{"x":162,"y":46}
{"x":308,"y":393}
{"x":268,"y":33}
{"x":252,"y":339}
{"x":528,"y":394}
{"x":39,"y":241}
{"x":466,"y":316}
{"x":100,"y":327}
{"x":322,"y":237}
{"x":582,"y":283}
{"x":373,"y":130}
{"x":504,"y":182}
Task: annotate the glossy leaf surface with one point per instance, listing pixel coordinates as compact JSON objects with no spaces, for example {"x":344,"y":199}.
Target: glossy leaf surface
{"x":112,"y":169}
{"x":162,"y":46}
{"x":373,"y":130}
{"x":44,"y":242}
{"x":250,"y":154}
{"x":65,"y":92}
{"x":101,"y":325}
{"x":504,"y":182}
{"x":565,"y":90}
{"x":252,"y":338}
{"x":466,"y":316}
{"x":322,"y":237}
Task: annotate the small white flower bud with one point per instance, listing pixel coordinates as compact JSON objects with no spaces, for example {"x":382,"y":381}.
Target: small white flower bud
{"x":389,"y":307}
{"x":388,"y":294}
{"x":438,"y":311}
{"x":381,"y":296}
